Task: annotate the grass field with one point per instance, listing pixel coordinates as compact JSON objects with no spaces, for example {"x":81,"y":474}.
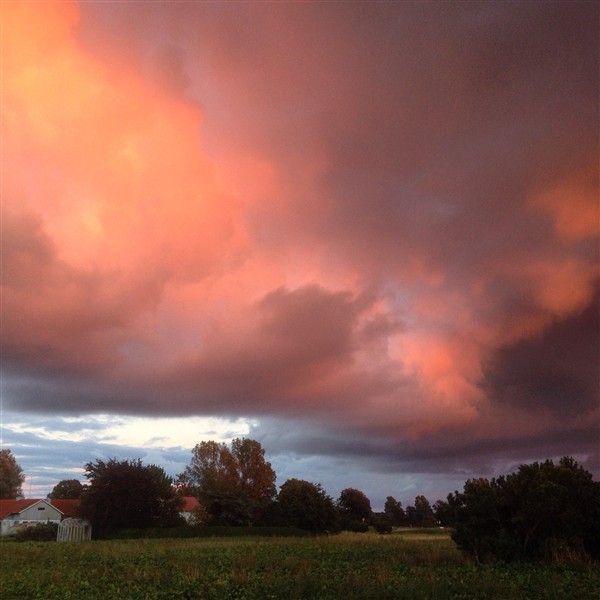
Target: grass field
{"x":347,"y":566}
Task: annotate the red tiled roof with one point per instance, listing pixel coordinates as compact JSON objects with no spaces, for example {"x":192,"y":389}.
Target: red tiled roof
{"x":68,"y":507}
{"x":8,"y":507}
{"x":189,"y":504}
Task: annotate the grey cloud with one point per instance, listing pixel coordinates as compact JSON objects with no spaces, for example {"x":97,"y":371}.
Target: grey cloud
{"x":557,"y":370}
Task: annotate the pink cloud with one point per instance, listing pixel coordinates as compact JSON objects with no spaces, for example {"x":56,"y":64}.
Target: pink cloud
{"x":295,"y":211}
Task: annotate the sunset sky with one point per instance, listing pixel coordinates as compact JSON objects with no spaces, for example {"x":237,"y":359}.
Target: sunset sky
{"x":364,"y":234}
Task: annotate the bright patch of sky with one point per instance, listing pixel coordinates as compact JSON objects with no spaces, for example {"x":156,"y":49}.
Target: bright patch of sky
{"x":132,"y":431}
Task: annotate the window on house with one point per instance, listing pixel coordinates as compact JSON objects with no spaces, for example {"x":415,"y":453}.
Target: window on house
{"x":41,"y":508}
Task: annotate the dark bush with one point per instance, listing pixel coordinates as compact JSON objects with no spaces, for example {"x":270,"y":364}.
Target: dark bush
{"x":306,"y":505}
{"x":381,"y":522}
{"x":43,"y":532}
{"x":544,"y":511}
{"x":356,"y":527}
{"x":201,"y":531}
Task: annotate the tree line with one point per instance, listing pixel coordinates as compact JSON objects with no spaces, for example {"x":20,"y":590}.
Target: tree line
{"x":542,"y":511}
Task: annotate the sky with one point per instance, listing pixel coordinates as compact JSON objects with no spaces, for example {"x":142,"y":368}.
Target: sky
{"x":363,"y":234}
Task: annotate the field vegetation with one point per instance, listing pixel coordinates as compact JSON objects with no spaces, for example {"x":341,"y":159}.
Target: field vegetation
{"x":349,"y":565}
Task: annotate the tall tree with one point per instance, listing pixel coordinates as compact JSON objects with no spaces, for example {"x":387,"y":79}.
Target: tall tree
{"x":235,"y":485}
{"x":306,"y":505}
{"x":444,"y":511}
{"x":354,"y":507}
{"x":67,"y":489}
{"x":126,"y":493}
{"x":424,"y":516}
{"x":11,"y":476}
{"x":394,"y":511}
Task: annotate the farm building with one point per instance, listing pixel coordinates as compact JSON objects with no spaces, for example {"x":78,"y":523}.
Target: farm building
{"x":15,"y":514}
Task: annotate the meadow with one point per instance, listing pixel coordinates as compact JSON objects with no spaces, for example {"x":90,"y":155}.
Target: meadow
{"x":347,"y":566}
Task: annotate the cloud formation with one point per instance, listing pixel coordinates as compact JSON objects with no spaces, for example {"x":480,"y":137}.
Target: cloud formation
{"x":375,"y":226}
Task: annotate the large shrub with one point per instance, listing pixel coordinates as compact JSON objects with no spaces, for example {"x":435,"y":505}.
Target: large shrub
{"x":307,"y":506}
{"x":42,"y":532}
{"x":355,"y":509}
{"x":543,"y":511}
{"x":127,"y":493}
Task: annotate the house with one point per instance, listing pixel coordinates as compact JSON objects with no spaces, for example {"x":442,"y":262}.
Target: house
{"x":15,"y":514}
{"x":69,"y":508}
{"x":189,"y":505}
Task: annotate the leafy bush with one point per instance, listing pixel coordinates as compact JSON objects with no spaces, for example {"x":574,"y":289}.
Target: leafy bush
{"x":356,"y":527}
{"x":128,"y":493}
{"x":196,"y":531}
{"x":306,"y":505}
{"x":544,"y":511}
{"x":43,"y":532}
{"x":381,"y":522}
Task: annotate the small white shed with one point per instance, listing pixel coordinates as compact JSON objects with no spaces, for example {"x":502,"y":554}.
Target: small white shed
{"x":74,"y":530}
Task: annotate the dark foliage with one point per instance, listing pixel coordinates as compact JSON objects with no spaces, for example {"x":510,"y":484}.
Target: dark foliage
{"x":11,"y":476}
{"x":382,"y":522}
{"x":355,"y":510}
{"x":355,"y":526}
{"x":445,"y":512}
{"x":207,"y":531}
{"x":43,"y":532}
{"x":394,"y":511}
{"x":306,"y":505}
{"x":421,"y":514}
{"x":128,"y":494}
{"x":70,"y":489}
{"x":544,"y":511}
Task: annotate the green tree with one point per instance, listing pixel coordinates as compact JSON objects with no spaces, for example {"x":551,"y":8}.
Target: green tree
{"x":236,"y":486}
{"x":444,"y":512}
{"x":394,"y":511}
{"x":11,"y":476}
{"x":128,"y":494}
{"x":480,"y":512}
{"x":421,"y":514}
{"x":424,"y":512}
{"x":306,"y":505}
{"x":355,"y":509}
{"x":67,"y":489}
{"x":541,"y":511}
{"x":382,"y":522}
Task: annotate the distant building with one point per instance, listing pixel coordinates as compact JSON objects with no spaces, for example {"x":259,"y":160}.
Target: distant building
{"x":16,"y":514}
{"x":189,"y":505}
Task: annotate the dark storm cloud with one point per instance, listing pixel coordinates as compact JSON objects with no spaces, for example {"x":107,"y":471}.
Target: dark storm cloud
{"x":557,"y":370}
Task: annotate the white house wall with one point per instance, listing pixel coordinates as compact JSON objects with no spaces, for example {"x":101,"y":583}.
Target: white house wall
{"x":40,"y":512}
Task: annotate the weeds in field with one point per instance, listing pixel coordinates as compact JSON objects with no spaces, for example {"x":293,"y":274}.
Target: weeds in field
{"x":349,"y":567}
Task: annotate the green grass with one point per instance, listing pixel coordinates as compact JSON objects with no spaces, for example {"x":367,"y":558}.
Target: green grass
{"x":349,"y":566}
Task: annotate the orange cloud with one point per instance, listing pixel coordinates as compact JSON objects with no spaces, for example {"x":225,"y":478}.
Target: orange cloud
{"x":573,"y":205}
{"x":120,"y":177}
